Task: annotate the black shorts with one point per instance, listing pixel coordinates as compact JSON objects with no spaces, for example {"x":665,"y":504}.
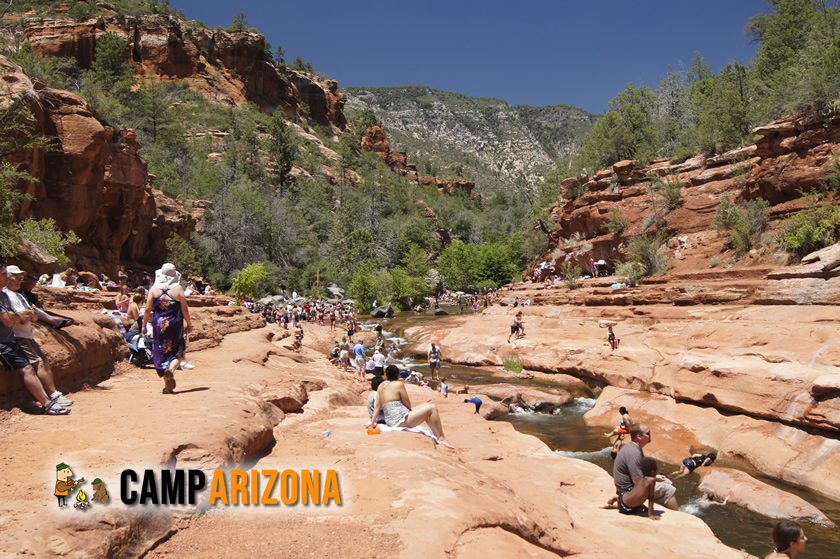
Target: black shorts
{"x":514,"y":328}
{"x":624,"y":509}
{"x":12,"y":356}
{"x":379,"y":371}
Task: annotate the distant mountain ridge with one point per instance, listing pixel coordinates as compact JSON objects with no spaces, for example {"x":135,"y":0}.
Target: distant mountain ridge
{"x":489,"y":141}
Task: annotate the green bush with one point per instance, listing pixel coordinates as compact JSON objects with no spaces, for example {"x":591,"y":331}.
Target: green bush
{"x":811,"y":229}
{"x":512,"y":364}
{"x":570,"y":274}
{"x":669,"y":189}
{"x":648,"y":252}
{"x":46,"y":235}
{"x":617,"y":223}
{"x":247,"y":281}
{"x":742,"y":223}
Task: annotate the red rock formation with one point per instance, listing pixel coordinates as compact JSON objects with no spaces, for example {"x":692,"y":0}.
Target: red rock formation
{"x":229,"y":67}
{"x":93,"y":183}
{"x":793,"y":155}
{"x":376,"y":141}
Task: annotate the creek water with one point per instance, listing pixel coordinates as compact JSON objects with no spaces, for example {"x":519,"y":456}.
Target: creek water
{"x":566,"y":433}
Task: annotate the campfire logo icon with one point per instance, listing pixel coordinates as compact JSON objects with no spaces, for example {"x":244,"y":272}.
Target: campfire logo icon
{"x":65,"y":484}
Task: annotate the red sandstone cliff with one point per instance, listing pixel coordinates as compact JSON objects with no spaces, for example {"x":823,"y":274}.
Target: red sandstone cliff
{"x":92,"y":182}
{"x":229,"y":67}
{"x":792,"y":155}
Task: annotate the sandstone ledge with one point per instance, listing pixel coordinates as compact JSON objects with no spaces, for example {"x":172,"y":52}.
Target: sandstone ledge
{"x":499,"y":490}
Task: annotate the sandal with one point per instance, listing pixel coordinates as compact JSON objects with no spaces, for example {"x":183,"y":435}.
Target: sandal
{"x":169,"y":379}
{"x":65,"y":323}
{"x":54,"y":408}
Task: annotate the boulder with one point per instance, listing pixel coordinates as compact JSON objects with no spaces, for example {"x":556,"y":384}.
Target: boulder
{"x":440,"y":312}
{"x":759,"y":497}
{"x":526,"y":397}
{"x":382,"y":312}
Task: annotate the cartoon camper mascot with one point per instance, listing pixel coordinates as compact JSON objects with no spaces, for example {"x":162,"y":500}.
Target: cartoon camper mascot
{"x":100,"y":494}
{"x":64,"y":483}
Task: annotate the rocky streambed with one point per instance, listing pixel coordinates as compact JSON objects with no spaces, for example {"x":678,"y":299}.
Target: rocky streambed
{"x":254,"y":403}
{"x":725,"y":377}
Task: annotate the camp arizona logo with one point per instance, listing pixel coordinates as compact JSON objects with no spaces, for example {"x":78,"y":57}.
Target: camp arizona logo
{"x":234,"y":487}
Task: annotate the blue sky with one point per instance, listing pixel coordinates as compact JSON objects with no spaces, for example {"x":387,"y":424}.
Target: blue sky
{"x":535,"y":52}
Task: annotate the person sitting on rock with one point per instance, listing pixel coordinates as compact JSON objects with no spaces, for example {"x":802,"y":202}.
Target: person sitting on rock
{"x":394,"y":403}
{"x":632,"y":487}
{"x":650,"y":470}
{"x":693,"y":462}
{"x":624,"y":425}
{"x":611,"y":339}
{"x":371,"y":401}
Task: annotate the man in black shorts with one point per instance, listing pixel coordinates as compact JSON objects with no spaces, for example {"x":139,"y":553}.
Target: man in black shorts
{"x":631,"y":485}
{"x":12,"y":356}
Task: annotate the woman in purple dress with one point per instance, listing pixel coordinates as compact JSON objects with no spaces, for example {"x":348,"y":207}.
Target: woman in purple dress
{"x":166,"y":309}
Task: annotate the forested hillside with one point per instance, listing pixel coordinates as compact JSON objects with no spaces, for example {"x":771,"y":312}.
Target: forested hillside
{"x":262,"y":155}
{"x":497,"y":145}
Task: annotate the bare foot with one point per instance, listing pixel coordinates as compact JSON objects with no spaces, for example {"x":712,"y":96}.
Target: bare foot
{"x":445,"y":443}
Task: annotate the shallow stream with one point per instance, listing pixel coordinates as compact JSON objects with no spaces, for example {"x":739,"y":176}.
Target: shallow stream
{"x":567,"y":434}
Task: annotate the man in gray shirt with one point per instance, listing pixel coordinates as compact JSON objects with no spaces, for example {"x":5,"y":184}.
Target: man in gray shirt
{"x":12,"y":356}
{"x":631,"y":486}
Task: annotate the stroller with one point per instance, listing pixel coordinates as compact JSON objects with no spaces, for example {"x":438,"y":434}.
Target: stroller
{"x":141,"y":351}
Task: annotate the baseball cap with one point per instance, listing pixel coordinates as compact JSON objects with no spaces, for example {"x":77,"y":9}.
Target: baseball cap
{"x":14,"y":270}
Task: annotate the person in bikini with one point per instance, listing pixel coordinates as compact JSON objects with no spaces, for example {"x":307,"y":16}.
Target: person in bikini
{"x":623,"y":426}
{"x":392,"y":399}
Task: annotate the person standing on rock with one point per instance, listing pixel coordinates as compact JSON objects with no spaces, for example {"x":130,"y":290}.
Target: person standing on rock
{"x":167,"y":310}
{"x":631,"y":486}
{"x":789,"y":540}
{"x":359,"y":352}
{"x":434,"y":359}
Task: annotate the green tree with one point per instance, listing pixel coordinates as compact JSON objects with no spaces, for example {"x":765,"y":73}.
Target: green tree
{"x":457,"y":265}
{"x":247,"y":282}
{"x":239,"y":23}
{"x":110,"y":63}
{"x":182,"y":255}
{"x":281,"y":145}
{"x":627,"y":131}
{"x":45,"y":234}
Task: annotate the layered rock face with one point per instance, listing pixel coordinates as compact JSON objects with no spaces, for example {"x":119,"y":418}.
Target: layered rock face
{"x":376,"y":140}
{"x":230,"y":67}
{"x":92,"y":181}
{"x":793,"y":155}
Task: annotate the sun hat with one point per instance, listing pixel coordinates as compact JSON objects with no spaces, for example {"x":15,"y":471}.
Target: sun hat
{"x":14,"y":270}
{"x":167,"y":277}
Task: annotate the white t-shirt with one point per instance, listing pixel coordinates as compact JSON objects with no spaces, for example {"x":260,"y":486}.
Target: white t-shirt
{"x":378,"y":360}
{"x":19,"y":303}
